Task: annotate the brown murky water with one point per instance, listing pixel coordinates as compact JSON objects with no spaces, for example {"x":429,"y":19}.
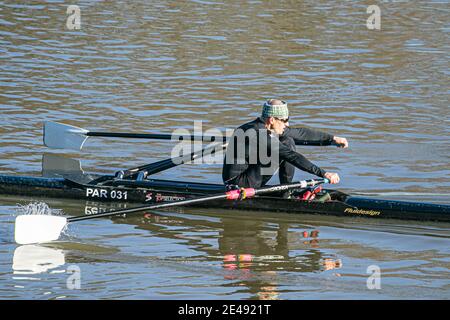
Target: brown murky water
{"x":155,"y":67}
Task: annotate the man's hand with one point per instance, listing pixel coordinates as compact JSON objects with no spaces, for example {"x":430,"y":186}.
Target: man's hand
{"x":333,"y":177}
{"x":341,"y":142}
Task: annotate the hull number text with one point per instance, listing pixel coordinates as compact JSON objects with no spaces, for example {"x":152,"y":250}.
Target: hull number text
{"x":106,"y":194}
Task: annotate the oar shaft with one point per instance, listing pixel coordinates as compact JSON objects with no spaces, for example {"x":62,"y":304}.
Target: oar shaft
{"x":231,"y":195}
{"x":162,"y":165}
{"x":143,"y":208}
{"x":166,"y":164}
{"x":165,"y":136}
{"x":156,"y":136}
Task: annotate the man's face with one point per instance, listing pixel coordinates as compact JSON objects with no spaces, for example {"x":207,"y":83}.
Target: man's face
{"x":278,"y":125}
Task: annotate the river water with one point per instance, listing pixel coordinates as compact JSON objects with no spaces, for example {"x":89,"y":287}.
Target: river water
{"x":138,"y":66}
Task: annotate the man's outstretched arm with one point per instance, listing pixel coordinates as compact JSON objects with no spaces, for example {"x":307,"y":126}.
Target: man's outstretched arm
{"x":309,"y":136}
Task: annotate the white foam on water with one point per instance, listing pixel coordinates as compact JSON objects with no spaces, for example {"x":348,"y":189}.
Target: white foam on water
{"x":37,"y":208}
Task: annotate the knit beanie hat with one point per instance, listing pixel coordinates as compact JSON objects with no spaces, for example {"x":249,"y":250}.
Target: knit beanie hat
{"x":279,"y":111}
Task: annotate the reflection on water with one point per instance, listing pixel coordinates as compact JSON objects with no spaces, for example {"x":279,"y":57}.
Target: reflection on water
{"x":204,"y":254}
{"x":157,"y":66}
{"x":34,"y":259}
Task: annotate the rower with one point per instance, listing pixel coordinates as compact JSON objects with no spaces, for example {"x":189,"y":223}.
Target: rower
{"x":245,"y":164}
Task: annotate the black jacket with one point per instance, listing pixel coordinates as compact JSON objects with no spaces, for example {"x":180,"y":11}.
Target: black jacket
{"x":236,"y":163}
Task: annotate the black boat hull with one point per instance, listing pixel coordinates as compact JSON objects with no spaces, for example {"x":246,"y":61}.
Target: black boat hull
{"x":155,"y":191}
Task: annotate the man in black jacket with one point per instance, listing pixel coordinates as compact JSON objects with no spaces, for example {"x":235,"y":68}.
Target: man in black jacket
{"x":260,"y":147}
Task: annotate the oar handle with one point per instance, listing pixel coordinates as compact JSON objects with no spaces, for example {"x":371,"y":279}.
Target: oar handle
{"x":318,"y":143}
{"x":230,"y":195}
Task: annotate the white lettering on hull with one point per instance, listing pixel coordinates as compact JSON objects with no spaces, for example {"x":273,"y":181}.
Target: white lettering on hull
{"x":106,"y":194}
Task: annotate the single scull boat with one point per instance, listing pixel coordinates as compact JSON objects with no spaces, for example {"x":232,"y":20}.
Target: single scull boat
{"x":135,"y":185}
{"x":150,"y":191}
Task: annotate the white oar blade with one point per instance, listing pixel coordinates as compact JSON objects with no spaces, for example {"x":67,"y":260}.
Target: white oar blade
{"x":64,"y":136}
{"x":38,"y":228}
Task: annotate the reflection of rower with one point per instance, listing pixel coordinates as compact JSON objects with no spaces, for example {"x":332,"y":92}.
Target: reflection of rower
{"x":252,"y":251}
{"x":269,"y":245}
{"x":251,"y":246}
